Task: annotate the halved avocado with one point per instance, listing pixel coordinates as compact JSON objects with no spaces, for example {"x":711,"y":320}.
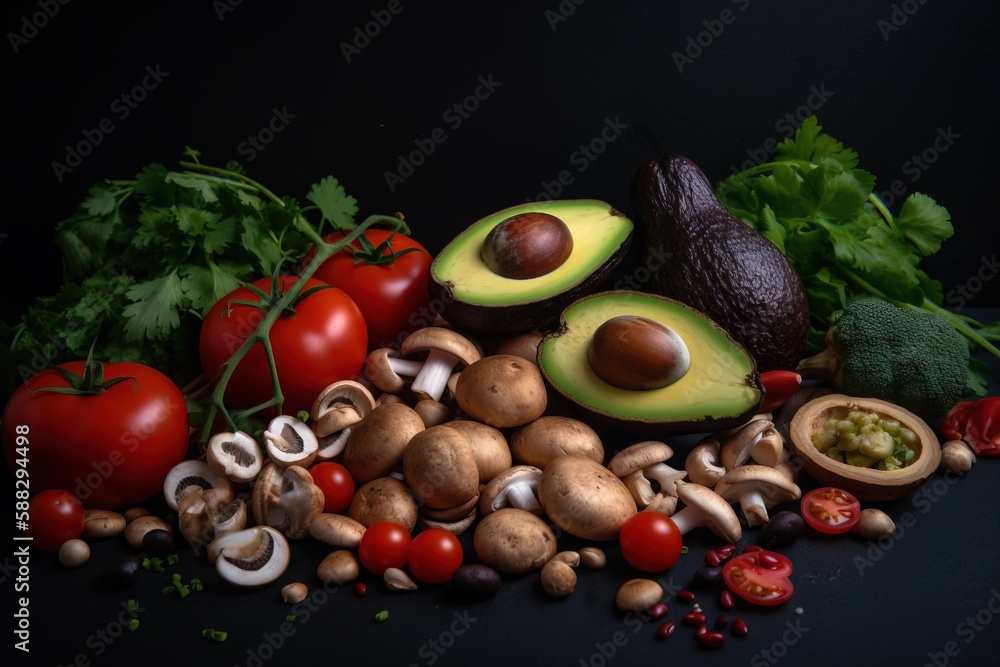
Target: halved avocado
{"x":479,"y":300}
{"x":721,"y":388}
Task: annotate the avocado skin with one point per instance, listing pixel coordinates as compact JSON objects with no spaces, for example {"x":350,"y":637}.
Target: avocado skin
{"x":720,"y":265}
{"x":541,"y":314}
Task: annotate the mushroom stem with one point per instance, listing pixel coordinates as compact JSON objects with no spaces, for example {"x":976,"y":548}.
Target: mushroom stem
{"x":407,"y":367}
{"x":688,"y":519}
{"x":665,"y":476}
{"x":522,"y":496}
{"x":754,"y":509}
{"x":433,"y":376}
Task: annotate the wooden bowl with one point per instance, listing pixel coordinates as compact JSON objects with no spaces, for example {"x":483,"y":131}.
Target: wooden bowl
{"x":865,"y":483}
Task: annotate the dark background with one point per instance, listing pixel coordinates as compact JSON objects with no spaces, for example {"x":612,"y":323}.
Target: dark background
{"x":892,"y":78}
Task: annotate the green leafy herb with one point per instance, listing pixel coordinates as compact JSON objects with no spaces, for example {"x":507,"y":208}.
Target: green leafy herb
{"x":145,"y":258}
{"x":815,"y":204}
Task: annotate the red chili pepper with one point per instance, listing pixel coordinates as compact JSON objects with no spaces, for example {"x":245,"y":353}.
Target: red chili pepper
{"x":977,"y":423}
{"x":778,"y":388}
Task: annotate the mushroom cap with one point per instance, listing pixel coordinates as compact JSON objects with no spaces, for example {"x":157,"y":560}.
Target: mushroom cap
{"x":337,"y":530}
{"x":584,"y":498}
{"x":524,"y":345}
{"x":376,"y":443}
{"x":558,"y":578}
{"x":489,"y":447}
{"x":439,"y":466}
{"x":300,"y":499}
{"x":384,"y":499}
{"x":380,"y":373}
{"x":502,"y":390}
{"x":440,"y":338}
{"x":448,"y":514}
{"x":432,"y":412}
{"x":720,"y":517}
{"x":638,"y":456}
{"x":192,"y":472}
{"x":266,"y":491}
{"x":703,"y":464}
{"x":737,"y":448}
{"x":454,"y":527}
{"x":339,"y":406}
{"x":514,"y":541}
{"x":638,"y":595}
{"x":772,"y":484}
{"x":339,"y":567}
{"x":494,"y":495}
{"x":547,"y":437}
{"x":251,"y":557}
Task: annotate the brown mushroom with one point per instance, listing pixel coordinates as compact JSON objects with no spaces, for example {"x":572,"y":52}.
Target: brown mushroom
{"x":338,"y":407}
{"x":432,"y":412}
{"x":642,"y":463}
{"x":339,"y":567}
{"x":446,"y":349}
{"x":756,"y":488}
{"x":384,"y":499}
{"x":376,"y":443}
{"x":286,"y":499}
{"x":337,"y":530}
{"x":453,"y":526}
{"x":192,"y":472}
{"x":514,"y":541}
{"x":638,"y":595}
{"x":874,"y":524}
{"x":705,"y":507}
{"x":524,"y":345}
{"x":547,"y":437}
{"x":558,"y":578}
{"x":502,"y":390}
{"x":515,"y":487}
{"x":440,"y":468}
{"x":102,"y":523}
{"x":757,"y":441}
{"x":289,"y":441}
{"x":956,"y":457}
{"x":489,"y":447}
{"x":386,"y":369}
{"x":703,"y":464}
{"x":584,"y":498}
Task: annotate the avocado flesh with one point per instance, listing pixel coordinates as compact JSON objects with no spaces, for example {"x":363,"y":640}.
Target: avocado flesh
{"x":479,"y":300}
{"x":720,"y":390}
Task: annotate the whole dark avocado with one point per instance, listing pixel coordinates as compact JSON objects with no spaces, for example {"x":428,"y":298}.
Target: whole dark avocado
{"x":718,"y":264}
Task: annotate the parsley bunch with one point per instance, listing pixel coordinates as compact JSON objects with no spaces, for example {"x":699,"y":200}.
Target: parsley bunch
{"x":819,"y":208}
{"x":144,"y":259}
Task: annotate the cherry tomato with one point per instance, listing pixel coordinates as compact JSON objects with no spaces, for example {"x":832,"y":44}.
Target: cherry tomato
{"x":54,"y":516}
{"x":388,"y":280}
{"x":112,"y":449}
{"x":650,"y":541}
{"x":385,"y":544}
{"x":760,"y":577}
{"x":434,"y":556}
{"x":336,"y":483}
{"x":325,"y":340}
{"x":830,"y":510}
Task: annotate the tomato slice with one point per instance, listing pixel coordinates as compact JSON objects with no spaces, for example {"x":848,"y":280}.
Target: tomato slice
{"x":830,"y":510}
{"x":760,"y":577}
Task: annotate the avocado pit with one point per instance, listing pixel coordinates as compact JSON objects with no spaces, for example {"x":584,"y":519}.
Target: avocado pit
{"x":527,"y":245}
{"x":632,"y":352}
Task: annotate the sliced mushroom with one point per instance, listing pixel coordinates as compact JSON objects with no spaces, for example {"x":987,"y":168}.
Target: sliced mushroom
{"x":756,"y":488}
{"x":339,"y":406}
{"x":514,"y":541}
{"x":251,"y":557}
{"x":192,"y":472}
{"x":515,"y":487}
{"x":502,"y":390}
{"x":286,"y":499}
{"x":384,"y":499}
{"x":703,"y":464}
{"x":439,"y":466}
{"x":757,"y":441}
{"x":289,"y":441}
{"x":705,"y":507}
{"x":489,"y":447}
{"x":337,"y":530}
{"x":230,"y":518}
{"x":235,"y":455}
{"x":446,"y":349}
{"x":584,"y":498}
{"x":547,"y":437}
{"x":375,"y":446}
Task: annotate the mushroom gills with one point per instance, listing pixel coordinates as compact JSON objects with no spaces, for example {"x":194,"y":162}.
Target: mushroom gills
{"x":242,"y":457}
{"x":259,"y":555}
{"x":291,"y":441}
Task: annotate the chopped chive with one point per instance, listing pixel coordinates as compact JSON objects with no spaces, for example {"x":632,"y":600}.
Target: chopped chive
{"x":303,"y":415}
{"x":132,"y":604}
{"x":167,"y":590}
{"x":381,"y":616}
{"x":220,"y":636}
{"x":172,"y":559}
{"x":290,"y":618}
{"x":684,"y":550}
{"x":133,"y":624}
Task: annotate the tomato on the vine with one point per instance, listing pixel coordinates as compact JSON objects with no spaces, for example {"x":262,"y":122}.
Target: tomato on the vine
{"x":384,"y":544}
{"x":336,"y":483}
{"x":386,"y":273}
{"x":111,"y":448}
{"x":760,"y":577}
{"x":650,"y":541}
{"x":55,"y":516}
{"x":323,"y":341}
{"x":434,"y":556}
{"x":830,"y":510}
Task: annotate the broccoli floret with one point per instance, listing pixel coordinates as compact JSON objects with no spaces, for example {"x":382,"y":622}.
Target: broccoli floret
{"x":911,"y":357}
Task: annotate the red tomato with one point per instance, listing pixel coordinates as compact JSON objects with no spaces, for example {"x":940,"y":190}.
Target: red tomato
{"x":650,"y":541}
{"x":385,"y":544}
{"x":324,"y":341}
{"x":55,"y":516}
{"x":336,"y":483}
{"x":112,"y":449}
{"x":760,"y":577}
{"x":830,"y":510}
{"x":390,"y":288}
{"x":434,"y":556}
